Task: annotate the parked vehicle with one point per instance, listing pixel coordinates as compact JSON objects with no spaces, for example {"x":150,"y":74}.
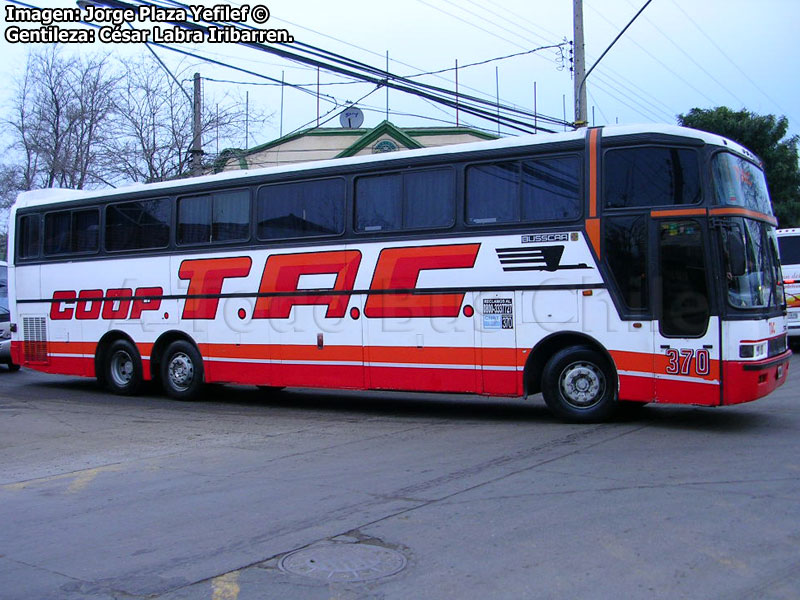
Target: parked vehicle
{"x":5,"y":320}
{"x":789,"y":247}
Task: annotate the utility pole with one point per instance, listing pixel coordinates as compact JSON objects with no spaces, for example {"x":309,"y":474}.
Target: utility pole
{"x":580,"y":61}
{"x":579,"y":72}
{"x":197,"y":140}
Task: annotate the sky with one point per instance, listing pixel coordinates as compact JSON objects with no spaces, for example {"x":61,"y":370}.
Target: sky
{"x":678,"y":54}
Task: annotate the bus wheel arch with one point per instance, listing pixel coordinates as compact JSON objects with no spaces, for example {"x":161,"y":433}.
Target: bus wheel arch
{"x":176,"y":361}
{"x":592,"y":363}
{"x":118,"y":364}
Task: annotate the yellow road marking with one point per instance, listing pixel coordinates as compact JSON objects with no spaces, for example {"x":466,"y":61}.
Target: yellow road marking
{"x":80,"y":479}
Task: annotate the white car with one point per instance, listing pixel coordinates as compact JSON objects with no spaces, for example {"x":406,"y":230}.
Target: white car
{"x":5,"y":320}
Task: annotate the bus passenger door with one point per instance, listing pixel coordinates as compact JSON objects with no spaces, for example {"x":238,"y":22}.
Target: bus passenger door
{"x":687,"y":335}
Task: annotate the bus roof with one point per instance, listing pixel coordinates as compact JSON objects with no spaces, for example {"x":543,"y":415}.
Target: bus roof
{"x":51,"y":195}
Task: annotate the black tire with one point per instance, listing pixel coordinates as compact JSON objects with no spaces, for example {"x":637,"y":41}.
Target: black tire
{"x":13,"y":367}
{"x":579,"y":386}
{"x":122,"y":369}
{"x":182,"y":371}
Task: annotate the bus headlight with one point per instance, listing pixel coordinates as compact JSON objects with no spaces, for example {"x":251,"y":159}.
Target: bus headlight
{"x":756,"y":350}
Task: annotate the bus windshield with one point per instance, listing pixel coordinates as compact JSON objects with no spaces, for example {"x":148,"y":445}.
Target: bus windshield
{"x":756,"y":282}
{"x":738,"y":182}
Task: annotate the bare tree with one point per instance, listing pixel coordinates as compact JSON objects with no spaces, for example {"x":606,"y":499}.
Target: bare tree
{"x":60,"y":118}
{"x":154,"y":122}
{"x":84,"y":120}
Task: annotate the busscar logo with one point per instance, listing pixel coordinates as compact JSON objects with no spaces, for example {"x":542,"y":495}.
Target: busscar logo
{"x":541,"y":258}
{"x":538,"y":238}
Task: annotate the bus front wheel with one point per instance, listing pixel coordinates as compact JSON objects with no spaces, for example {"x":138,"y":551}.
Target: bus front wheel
{"x":578,"y":385}
{"x":123,"y":368}
{"x":182,"y":371}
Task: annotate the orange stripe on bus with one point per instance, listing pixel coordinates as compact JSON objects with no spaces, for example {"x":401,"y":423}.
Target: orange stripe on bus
{"x":686,"y":212}
{"x":593,"y":133}
{"x":743,"y":212}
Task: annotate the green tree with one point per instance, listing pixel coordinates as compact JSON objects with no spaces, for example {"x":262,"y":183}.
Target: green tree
{"x":766,"y":136}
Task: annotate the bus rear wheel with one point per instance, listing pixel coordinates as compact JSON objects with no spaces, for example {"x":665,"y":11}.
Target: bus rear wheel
{"x":578,"y":385}
{"x":122,"y":372}
{"x":182,"y":371}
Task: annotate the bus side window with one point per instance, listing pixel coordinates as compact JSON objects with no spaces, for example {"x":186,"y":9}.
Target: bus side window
{"x":493,"y":193}
{"x":300,"y":209}
{"x":85,"y":230}
{"x":414,"y":200}
{"x":551,"y":189}
{"x":57,"y":232}
{"x":138,"y":225}
{"x":651,"y":176}
{"x":28,"y":236}
{"x":625,"y":249}
{"x":379,"y":203}
{"x":223,"y":216}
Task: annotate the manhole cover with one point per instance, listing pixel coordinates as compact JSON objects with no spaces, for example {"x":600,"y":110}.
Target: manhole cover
{"x":344,"y":562}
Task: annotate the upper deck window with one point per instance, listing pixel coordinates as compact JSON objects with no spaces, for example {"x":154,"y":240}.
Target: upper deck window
{"x":651,"y":176}
{"x":413,"y":200}
{"x":300,"y":209}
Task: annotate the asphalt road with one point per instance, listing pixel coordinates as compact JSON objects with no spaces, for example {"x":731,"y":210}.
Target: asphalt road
{"x":314,"y":494}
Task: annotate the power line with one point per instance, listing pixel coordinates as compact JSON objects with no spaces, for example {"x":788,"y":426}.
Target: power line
{"x":722,"y":52}
{"x":349,"y":67}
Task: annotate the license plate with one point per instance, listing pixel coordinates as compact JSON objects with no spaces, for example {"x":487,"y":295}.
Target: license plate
{"x":793,"y":316}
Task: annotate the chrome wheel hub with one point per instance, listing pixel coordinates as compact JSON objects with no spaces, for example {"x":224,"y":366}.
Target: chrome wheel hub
{"x":181,"y":371}
{"x":121,"y":368}
{"x":582,"y":384}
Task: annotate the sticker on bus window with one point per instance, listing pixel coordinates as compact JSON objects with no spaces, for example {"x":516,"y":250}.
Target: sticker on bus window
{"x":498,"y":313}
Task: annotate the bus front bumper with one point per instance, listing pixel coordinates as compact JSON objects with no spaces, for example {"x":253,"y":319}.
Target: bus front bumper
{"x":746,"y":381}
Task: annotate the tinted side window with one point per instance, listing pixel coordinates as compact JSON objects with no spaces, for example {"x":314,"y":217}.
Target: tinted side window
{"x":138,"y":225}
{"x":789,"y":247}
{"x":194,"y":220}
{"x":28,"y":245}
{"x":626,"y":253}
{"x":57,"y":232}
{"x":302,"y":209}
{"x":684,"y":291}
{"x":230,"y":216}
{"x":219,"y":217}
{"x":430,"y":199}
{"x":650,"y":176}
{"x":551,"y":189}
{"x":85,"y":230}
{"x":414,"y":200}
{"x":493,"y":193}
{"x":379,"y":203}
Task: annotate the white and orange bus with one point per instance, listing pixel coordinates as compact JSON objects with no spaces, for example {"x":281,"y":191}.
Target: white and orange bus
{"x":789,"y":249}
{"x":601,"y":267}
